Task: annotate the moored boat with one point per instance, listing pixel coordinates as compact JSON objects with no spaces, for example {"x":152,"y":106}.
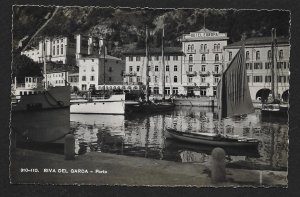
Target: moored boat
{"x":213,"y":139}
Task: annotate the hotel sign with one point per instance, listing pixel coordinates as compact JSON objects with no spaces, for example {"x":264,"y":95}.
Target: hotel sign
{"x":202,"y":34}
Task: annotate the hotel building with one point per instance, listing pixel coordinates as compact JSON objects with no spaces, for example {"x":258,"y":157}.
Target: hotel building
{"x":202,"y":61}
{"x":258,"y":63}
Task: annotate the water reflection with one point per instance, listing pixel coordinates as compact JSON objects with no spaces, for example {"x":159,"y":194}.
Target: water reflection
{"x":143,"y":136}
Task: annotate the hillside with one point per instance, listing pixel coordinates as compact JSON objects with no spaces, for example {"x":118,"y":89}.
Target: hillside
{"x":125,"y":28}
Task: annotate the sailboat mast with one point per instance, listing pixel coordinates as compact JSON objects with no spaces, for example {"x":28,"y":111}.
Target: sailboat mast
{"x":163,"y":65}
{"x":147,"y":70}
{"x":44,"y":61}
{"x":274,"y":84}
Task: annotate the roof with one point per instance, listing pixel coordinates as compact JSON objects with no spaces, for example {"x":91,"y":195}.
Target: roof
{"x":57,"y":68}
{"x":259,"y":41}
{"x":156,"y":51}
{"x":100,"y":57}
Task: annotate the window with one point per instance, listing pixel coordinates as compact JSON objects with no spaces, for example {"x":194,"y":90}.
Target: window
{"x":110,"y":69}
{"x":83,"y":78}
{"x":190,"y":79}
{"x":205,"y":46}
{"x":203,"y":79}
{"x":57,"y":49}
{"x":218,"y":46}
{"x":249,"y":66}
{"x":257,"y":65}
{"x":156,"y":58}
{"x":83,"y":87}
{"x":138,"y":79}
{"x":267,"y":65}
{"x":92,"y":78}
{"x":257,"y":55}
{"x":216,"y":80}
{"x":156,"y":90}
{"x":62,"y":40}
{"x":130,"y":79}
{"x":92,"y":60}
{"x":155,"y":79}
{"x":268,"y":79}
{"x":203,"y":58}
{"x":230,"y":55}
{"x":167,"y":68}
{"x":215,"y":91}
{"x":92,"y":69}
{"x":110,"y":79}
{"x":281,"y":54}
{"x":175,"y":79}
{"x":130,"y":68}
{"x":167,"y":90}
{"x":61,"y":49}
{"x":156,"y":68}
{"x":53,"y":50}
{"x":202,"y":91}
{"x":282,"y":79}
{"x":190,"y":58}
{"x":175,"y":58}
{"x":217,"y":57}
{"x":257,"y":79}
{"x":215,"y":46}
{"x":247,"y":55}
{"x":175,"y":90}
{"x":130,"y":58}
{"x":217,"y":68}
{"x":167,"y":58}
{"x":201,"y":47}
{"x":175,"y":67}
{"x":269,"y":54}
{"x":138,"y":68}
{"x":203,"y":68}
{"x":138,"y":58}
{"x":190,"y":68}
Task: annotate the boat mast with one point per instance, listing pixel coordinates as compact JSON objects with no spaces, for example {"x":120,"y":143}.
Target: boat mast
{"x":147,"y":70}
{"x":44,"y":61}
{"x":274,"y":84}
{"x":163,"y":65}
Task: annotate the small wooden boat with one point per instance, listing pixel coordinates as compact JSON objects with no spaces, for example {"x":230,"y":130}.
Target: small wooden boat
{"x":213,"y":139}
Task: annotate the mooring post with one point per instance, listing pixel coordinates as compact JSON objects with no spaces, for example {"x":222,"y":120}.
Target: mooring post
{"x":218,"y":171}
{"x":69,"y":147}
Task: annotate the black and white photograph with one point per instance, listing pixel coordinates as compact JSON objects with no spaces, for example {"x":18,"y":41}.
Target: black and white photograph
{"x":170,"y":97}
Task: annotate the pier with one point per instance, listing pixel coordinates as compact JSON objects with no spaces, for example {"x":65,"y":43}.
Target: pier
{"x":96,"y":168}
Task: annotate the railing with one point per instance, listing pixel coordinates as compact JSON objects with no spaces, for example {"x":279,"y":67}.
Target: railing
{"x":204,"y":73}
{"x":191,"y":73}
{"x":130,"y":74}
{"x":217,"y":50}
{"x":216,"y":73}
{"x":204,"y":84}
{"x":203,"y":51}
{"x":191,"y":51}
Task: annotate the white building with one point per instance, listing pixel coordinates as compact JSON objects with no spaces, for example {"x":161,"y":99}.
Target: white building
{"x":202,"y":61}
{"x":258,"y":63}
{"x":56,"y":49}
{"x":32,"y":85}
{"x":95,"y":70}
{"x":135,"y":73}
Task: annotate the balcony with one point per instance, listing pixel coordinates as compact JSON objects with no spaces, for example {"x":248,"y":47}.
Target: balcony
{"x":191,"y":73}
{"x":191,"y":51}
{"x":204,"y":51}
{"x":204,"y":84}
{"x":217,"y":50}
{"x":204,"y":73}
{"x":216,"y":73}
{"x":130,"y":74}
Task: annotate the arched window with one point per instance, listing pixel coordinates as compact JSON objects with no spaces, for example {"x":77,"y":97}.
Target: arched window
{"x":61,"y":49}
{"x":257,"y":55}
{"x":217,"y":57}
{"x":53,"y":50}
{"x":215,"y":46}
{"x":201,"y":47}
{"x":218,"y":46}
{"x":190,"y":58}
{"x":175,"y":79}
{"x":189,"y":47}
{"x":205,"y":46}
{"x":281,"y":54}
{"x":247,"y":55}
{"x":269,"y":54}
{"x":192,"y":47}
{"x":203,"y":58}
{"x":57,"y":49}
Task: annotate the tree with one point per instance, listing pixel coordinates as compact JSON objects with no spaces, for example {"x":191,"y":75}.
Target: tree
{"x":23,"y":66}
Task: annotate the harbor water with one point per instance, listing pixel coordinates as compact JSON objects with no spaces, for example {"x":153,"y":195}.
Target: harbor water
{"x":140,"y":135}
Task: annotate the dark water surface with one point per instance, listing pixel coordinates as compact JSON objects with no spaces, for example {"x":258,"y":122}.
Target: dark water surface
{"x":144,"y":136}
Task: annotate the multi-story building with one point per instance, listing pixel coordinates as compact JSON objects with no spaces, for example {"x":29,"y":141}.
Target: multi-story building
{"x":258,"y":63}
{"x":56,"y":49}
{"x":135,"y":73}
{"x":32,"y":85}
{"x":95,"y":70}
{"x":202,"y":61}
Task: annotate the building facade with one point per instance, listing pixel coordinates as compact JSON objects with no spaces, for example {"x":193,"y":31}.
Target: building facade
{"x":57,"y":49}
{"x":135,"y":72}
{"x":258,"y":63}
{"x":96,"y":70}
{"x":202,"y":61}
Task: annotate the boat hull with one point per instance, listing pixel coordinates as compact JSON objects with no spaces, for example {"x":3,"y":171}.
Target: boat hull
{"x":150,"y":108}
{"x":114,"y":105}
{"x":209,"y":140}
{"x":42,"y":118}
